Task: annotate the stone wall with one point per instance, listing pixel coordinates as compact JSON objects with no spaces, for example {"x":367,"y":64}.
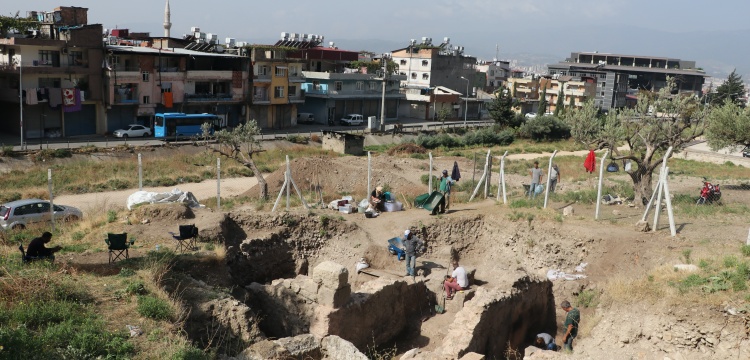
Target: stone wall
{"x":343,"y":143}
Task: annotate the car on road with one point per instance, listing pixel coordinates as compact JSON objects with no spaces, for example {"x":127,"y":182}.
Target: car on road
{"x":746,"y":151}
{"x":21,"y":213}
{"x":530,"y":115}
{"x":352,"y":119}
{"x":133,"y":130}
{"x":305,"y":118}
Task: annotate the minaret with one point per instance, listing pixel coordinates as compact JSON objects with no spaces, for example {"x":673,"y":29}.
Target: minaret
{"x":167,"y":23}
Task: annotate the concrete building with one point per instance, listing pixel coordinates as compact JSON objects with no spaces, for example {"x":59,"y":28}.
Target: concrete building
{"x":427,"y":66}
{"x":338,"y":82}
{"x":618,"y":75}
{"x":277,"y":85}
{"x":148,"y":75}
{"x":58,"y":68}
{"x":495,"y":73}
{"x":529,"y":91}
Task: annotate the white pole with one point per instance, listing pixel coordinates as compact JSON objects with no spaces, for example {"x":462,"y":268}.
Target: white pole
{"x":299,"y":193}
{"x":429,"y":182}
{"x":650,"y":202}
{"x":670,"y":214}
{"x":281,"y":192}
{"x":51,"y":198}
{"x":502,"y":178}
{"x":488,"y":170}
{"x":140,"y":173}
{"x":657,"y":209}
{"x":549,"y":171}
{"x":484,"y":176}
{"x":382,"y":102}
{"x":599,"y":187}
{"x":369,"y":175}
{"x":288,"y":176}
{"x":218,"y":184}
{"x":20,"y":97}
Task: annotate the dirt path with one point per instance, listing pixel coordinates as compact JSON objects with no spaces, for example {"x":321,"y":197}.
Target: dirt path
{"x":94,"y":202}
{"x":531,"y":156}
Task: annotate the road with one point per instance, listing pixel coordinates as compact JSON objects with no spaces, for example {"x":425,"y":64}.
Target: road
{"x":97,"y":202}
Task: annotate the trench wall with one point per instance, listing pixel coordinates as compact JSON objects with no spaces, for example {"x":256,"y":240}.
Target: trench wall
{"x":496,"y":318}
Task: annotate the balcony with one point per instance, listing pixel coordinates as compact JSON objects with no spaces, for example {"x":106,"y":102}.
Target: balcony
{"x":297,"y":99}
{"x":261,"y":99}
{"x":126,"y":99}
{"x":208,"y":97}
{"x":261,"y":78}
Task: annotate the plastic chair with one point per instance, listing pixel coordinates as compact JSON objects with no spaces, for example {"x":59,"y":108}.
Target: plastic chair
{"x":118,"y":246}
{"x":186,"y":237}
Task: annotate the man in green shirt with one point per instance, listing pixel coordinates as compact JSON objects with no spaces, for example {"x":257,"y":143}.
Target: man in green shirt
{"x":445,"y":187}
{"x":572,"y":319}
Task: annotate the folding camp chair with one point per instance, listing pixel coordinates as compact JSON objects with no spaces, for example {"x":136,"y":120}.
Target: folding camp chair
{"x":186,"y":237}
{"x":118,"y":246}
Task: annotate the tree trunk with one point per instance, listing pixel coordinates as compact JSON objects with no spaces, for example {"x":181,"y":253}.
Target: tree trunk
{"x":261,"y":181}
{"x":642,"y":185}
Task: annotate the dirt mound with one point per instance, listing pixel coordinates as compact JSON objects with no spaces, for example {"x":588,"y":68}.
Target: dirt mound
{"x":163,"y":212}
{"x":407,"y":148}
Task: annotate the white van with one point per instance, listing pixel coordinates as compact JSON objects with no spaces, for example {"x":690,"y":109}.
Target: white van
{"x":305,"y":118}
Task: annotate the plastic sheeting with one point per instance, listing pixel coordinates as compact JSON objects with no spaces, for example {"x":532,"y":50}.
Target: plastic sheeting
{"x":175,"y":196}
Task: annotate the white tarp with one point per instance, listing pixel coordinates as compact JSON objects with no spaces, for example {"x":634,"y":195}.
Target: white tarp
{"x":175,"y":196}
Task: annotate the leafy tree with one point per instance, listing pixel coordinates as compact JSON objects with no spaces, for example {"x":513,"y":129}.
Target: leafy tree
{"x":560,"y":105}
{"x":732,"y":89}
{"x":545,"y":128}
{"x":16,"y":23}
{"x":674,"y":121}
{"x":728,"y":126}
{"x":443,"y":114}
{"x":240,"y":144}
{"x":572,"y":103}
{"x":542,"y":104}
{"x":501,"y":108}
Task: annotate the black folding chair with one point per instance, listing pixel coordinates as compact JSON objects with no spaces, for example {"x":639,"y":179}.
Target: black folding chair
{"x":186,"y":237}
{"x":118,"y":246}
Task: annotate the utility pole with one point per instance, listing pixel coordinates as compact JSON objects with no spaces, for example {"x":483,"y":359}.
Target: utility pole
{"x":382,"y":103}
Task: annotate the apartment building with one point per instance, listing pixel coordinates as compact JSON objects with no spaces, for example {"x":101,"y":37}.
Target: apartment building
{"x":427,"y":66}
{"x":146,"y":75}
{"x":337,"y":83}
{"x":56,"y":69}
{"x":529,"y":90}
{"x":618,"y":75}
{"x":277,"y":85}
{"x":493,"y":74}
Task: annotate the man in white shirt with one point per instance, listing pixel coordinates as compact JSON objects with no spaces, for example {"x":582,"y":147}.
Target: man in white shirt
{"x":456,"y":282}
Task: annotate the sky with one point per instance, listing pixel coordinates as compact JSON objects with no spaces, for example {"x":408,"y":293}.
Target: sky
{"x":689,"y":29}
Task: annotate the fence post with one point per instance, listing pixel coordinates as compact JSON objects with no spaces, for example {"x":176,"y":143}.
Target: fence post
{"x":429,"y":182}
{"x":599,"y":187}
{"x":51,"y":198}
{"x":218,"y":183}
{"x":140,"y":173}
{"x":549,"y":171}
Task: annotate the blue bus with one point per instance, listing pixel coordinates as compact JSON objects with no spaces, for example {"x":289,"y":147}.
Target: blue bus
{"x":170,"y":126}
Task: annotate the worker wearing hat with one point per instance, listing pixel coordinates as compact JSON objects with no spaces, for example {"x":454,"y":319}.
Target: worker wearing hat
{"x":412,"y":247}
{"x":377,"y":199}
{"x":445,"y":187}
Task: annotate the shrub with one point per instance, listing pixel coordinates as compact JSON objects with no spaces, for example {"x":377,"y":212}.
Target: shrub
{"x":436,"y":141}
{"x":136,"y":288}
{"x":6,"y":150}
{"x":154,"y":308}
{"x":488,"y":137}
{"x":315,"y":138}
{"x":111,"y":216}
{"x":189,"y":353}
{"x":425,"y":178}
{"x":11,"y":196}
{"x":588,"y":298}
{"x":545,"y":128}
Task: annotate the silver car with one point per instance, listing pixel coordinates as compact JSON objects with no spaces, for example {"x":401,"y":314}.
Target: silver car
{"x":133,"y":130}
{"x":21,"y":213}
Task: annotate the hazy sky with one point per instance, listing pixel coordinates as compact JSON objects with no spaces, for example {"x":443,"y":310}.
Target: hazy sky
{"x":551,"y":27}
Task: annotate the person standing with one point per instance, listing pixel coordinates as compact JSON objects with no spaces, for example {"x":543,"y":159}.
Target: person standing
{"x":412,"y":246}
{"x":457,"y":281}
{"x":572,"y":318}
{"x":446,"y":182}
{"x":536,"y":178}
{"x":37,"y":249}
{"x":554,"y":177}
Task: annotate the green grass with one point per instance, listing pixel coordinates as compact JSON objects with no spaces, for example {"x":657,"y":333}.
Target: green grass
{"x":588,"y":298}
{"x":154,"y":308}
{"x":731,"y":274}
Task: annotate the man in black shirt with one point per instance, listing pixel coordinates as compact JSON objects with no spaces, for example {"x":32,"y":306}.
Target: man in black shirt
{"x":37,"y":249}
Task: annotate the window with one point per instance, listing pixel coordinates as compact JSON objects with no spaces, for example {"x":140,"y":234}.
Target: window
{"x":278,"y":92}
{"x":316,"y":85}
{"x":293,"y":71}
{"x":425,"y":76}
{"x":48,"y":57}
{"x":75,"y":58}
{"x":146,"y":99}
{"x":402,"y":62}
{"x":492,"y":72}
{"x":402,"y":73}
{"x":338,"y":85}
{"x":413,"y":75}
{"x":360,"y":85}
{"x":280,"y":71}
{"x":373,"y":85}
{"x":144,"y":76}
{"x":292,"y":91}
{"x":604,"y":83}
{"x":425,"y":63}
{"x":263,"y":70}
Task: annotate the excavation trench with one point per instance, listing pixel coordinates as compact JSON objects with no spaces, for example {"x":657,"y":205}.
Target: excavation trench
{"x":299,"y":278}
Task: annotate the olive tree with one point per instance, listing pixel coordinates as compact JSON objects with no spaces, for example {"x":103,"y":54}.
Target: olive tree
{"x":658,"y":121}
{"x":728,"y":126}
{"x":240,"y":144}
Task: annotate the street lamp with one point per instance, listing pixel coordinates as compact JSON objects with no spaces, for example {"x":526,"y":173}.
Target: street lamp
{"x":466,"y":102}
{"x":20,"y":95}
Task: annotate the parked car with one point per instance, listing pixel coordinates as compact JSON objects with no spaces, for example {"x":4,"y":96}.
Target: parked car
{"x":530,"y":115}
{"x":305,"y":118}
{"x":352,"y":119}
{"x":21,"y":213}
{"x":746,"y":151}
{"x":133,"y":130}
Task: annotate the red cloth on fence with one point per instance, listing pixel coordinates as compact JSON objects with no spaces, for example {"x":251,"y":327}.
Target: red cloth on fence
{"x":590,"y":163}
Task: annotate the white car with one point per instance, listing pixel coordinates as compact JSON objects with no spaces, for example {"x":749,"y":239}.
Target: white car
{"x":352,"y":119}
{"x":133,"y":130}
{"x":530,"y":115}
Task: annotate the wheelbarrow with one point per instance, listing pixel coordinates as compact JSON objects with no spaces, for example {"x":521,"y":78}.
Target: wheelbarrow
{"x":396,"y":247}
{"x":432,"y":204}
